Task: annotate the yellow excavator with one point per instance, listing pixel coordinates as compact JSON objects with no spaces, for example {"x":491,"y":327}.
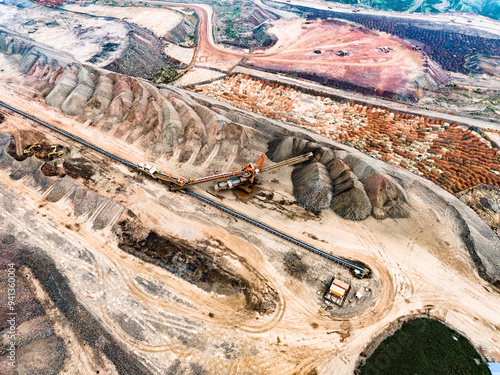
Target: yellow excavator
{"x":30,"y":150}
{"x":54,"y":152}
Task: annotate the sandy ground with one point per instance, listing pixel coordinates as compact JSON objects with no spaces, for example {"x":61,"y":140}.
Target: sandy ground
{"x":81,"y":36}
{"x":159,"y":21}
{"x":494,"y":136}
{"x":420,"y":263}
{"x":182,"y":54}
{"x":313,"y":46}
{"x":196,"y":75}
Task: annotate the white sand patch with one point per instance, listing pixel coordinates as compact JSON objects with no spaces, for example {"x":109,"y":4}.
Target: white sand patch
{"x":182,"y":54}
{"x":7,"y":68}
{"x":82,"y":36}
{"x":197,"y":75}
{"x":159,"y":21}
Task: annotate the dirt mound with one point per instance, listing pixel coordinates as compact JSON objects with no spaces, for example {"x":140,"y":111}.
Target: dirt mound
{"x":64,"y":87}
{"x":49,"y":170}
{"x":387,"y":196}
{"x":133,"y":110}
{"x":352,"y":203}
{"x":197,"y":264}
{"x":160,"y":121}
{"x":312,"y":187}
{"x":80,"y":94}
{"x":346,"y":195}
{"x":350,"y":200}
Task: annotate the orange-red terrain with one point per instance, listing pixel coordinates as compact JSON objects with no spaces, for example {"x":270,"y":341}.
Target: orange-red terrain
{"x":331,"y":52}
{"x":339,"y":51}
{"x":452,"y":156}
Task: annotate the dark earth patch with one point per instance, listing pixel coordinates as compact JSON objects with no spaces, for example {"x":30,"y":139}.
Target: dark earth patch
{"x":195,"y":264}
{"x":424,"y":347}
{"x":84,"y":325}
{"x":79,"y":167}
{"x":294,"y":265}
{"x":49,"y":170}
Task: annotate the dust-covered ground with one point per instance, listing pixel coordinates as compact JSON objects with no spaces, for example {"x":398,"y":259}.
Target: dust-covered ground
{"x":86,"y":38}
{"x":136,"y":279}
{"x":224,"y":298}
{"x":159,"y":21}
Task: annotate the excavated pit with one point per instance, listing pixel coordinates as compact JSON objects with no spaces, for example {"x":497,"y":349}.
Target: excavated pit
{"x":197,"y":265}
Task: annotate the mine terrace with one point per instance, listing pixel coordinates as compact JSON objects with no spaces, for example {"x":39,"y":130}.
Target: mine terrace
{"x":247,"y":188}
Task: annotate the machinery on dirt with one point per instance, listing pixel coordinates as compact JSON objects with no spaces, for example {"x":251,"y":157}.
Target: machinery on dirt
{"x":53,"y":152}
{"x":31,"y":149}
{"x":243,"y":177}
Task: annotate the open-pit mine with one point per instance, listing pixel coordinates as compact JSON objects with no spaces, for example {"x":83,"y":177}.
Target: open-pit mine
{"x":237,"y":225}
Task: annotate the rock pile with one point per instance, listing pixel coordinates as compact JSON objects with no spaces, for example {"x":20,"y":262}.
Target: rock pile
{"x":350,"y":199}
{"x":312,"y":186}
{"x":354,"y":188}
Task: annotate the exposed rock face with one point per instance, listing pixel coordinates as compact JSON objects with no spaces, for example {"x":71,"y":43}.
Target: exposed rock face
{"x":312,"y":186}
{"x":143,"y":56}
{"x":386,"y":196}
{"x":180,"y":32}
{"x":264,"y":37}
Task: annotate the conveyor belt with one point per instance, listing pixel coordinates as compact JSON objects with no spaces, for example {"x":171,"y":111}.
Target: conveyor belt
{"x":66,"y":134}
{"x":362,"y":271}
{"x":359,"y":271}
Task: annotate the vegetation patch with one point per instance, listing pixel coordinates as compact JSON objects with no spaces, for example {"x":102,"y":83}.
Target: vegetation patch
{"x":425,"y":347}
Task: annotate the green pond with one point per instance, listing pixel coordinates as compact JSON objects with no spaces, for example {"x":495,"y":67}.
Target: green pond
{"x":425,"y":347}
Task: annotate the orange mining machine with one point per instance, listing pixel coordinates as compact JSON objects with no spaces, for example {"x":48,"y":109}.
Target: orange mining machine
{"x":245,"y":176}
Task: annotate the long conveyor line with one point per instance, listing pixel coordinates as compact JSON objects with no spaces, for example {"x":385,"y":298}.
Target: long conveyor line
{"x":361,"y":271}
{"x":358,"y":270}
